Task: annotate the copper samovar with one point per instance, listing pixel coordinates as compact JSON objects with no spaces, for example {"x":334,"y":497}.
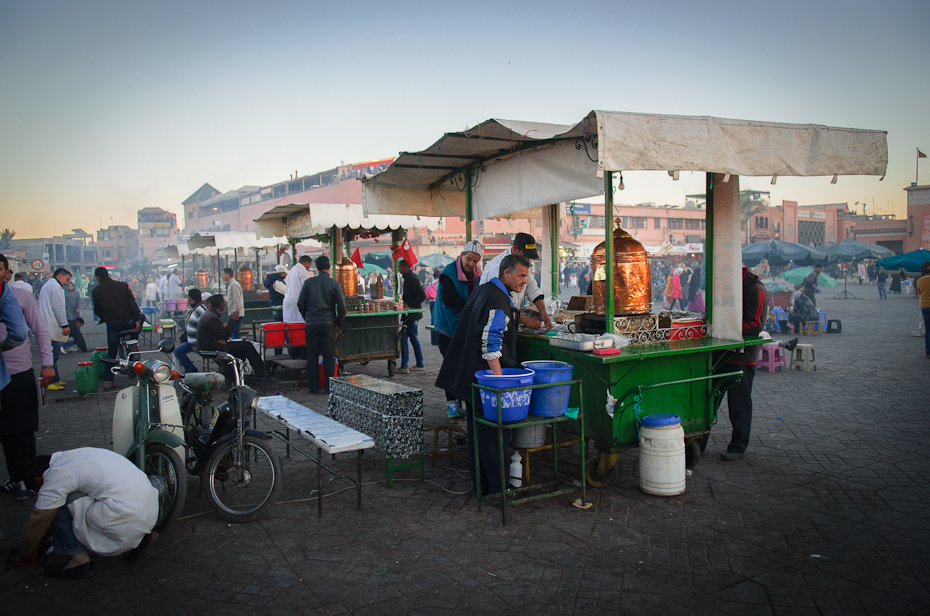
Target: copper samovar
{"x":632,"y":276}
{"x":246,"y":277}
{"x":347,"y":277}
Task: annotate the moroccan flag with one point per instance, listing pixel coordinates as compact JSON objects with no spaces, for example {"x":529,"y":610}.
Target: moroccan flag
{"x":406,"y":253}
{"x":921,"y":154}
{"x":357,"y":259}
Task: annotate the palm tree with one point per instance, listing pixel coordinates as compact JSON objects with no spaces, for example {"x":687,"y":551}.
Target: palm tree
{"x":5,"y":236}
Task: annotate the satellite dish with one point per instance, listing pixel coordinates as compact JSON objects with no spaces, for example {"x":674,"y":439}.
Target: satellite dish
{"x":690,"y":205}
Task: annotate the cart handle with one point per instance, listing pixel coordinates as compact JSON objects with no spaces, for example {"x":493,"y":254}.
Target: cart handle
{"x":642,"y":388}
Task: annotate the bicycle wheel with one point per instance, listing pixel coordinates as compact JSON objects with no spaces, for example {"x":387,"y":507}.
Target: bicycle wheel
{"x":164,"y":463}
{"x":242,"y":485}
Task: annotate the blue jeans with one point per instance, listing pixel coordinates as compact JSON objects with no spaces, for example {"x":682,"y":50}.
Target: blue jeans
{"x":881,"y":290}
{"x":63,"y":537}
{"x":235,"y":329}
{"x":926,"y":313}
{"x":409,"y":330}
{"x":56,"y":353}
{"x":181,"y":352}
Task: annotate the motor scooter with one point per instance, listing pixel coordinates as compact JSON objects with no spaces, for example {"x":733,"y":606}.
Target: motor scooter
{"x":147,"y":426}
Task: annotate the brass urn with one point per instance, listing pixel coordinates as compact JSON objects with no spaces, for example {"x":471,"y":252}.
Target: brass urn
{"x":347,"y":277}
{"x":632,"y":276}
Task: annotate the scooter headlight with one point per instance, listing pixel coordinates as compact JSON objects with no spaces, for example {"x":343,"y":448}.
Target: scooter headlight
{"x":161,"y":372}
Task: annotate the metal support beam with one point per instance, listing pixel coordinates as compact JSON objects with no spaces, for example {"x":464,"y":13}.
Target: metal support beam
{"x":468,"y":205}
{"x":609,"y":248}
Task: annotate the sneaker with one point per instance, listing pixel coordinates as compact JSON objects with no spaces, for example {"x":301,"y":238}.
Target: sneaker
{"x":417,"y":369}
{"x":9,"y":487}
{"x":22,"y":493}
{"x":74,"y":573}
{"x":55,"y":387}
{"x":730,"y":456}
{"x":60,"y":384}
{"x":108,"y":386}
{"x":63,"y":352}
{"x":452,"y":410}
{"x":791,"y":344}
{"x":402,"y":370}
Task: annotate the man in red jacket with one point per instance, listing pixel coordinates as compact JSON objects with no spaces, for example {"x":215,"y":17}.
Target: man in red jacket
{"x":739,"y":397}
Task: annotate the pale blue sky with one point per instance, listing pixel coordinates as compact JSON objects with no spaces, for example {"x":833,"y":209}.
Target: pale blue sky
{"x":107,"y":107}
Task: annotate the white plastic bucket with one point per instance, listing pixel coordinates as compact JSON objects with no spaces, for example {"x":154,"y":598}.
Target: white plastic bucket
{"x":662,"y":455}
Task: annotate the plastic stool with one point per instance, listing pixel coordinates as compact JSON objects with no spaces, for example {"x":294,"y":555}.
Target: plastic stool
{"x":838,"y":329}
{"x":803,"y":357}
{"x":780,"y":314}
{"x":773,"y":356}
{"x":809,"y":328}
{"x":821,"y":325}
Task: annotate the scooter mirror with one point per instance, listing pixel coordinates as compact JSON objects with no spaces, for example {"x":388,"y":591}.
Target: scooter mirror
{"x":166,"y":345}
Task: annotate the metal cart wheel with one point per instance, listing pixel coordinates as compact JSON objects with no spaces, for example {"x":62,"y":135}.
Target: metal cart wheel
{"x":594,"y":480}
{"x":392,"y":364}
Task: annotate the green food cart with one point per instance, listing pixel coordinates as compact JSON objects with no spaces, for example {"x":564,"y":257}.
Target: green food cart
{"x":365,"y":335}
{"x":517,"y":169}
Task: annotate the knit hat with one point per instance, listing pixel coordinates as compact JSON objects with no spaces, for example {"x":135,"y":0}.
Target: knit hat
{"x":475,"y":247}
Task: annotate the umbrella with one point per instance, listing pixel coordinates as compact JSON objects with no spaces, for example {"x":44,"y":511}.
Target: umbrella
{"x":779,"y":253}
{"x":371,"y":267}
{"x":797,"y":276}
{"x":908,"y":264}
{"x":854,"y":250}
{"x":437,"y":259}
{"x":381,"y":258}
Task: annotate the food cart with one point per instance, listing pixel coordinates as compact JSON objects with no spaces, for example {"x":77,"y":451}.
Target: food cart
{"x":371,"y":330}
{"x":514,"y":168}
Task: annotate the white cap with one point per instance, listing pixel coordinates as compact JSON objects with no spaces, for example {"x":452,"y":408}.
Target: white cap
{"x":280,"y":269}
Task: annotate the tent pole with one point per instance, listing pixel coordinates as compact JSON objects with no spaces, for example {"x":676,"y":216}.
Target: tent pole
{"x":609,"y":248}
{"x":554,"y":247}
{"x":709,"y":250}
{"x":468,"y":205}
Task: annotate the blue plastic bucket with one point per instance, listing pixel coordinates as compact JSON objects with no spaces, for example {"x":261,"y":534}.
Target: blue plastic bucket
{"x":516,"y":404}
{"x":549,"y":401}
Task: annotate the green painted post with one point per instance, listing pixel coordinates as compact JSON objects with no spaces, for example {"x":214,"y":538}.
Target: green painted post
{"x":709,"y":251}
{"x":554,"y":247}
{"x":468,"y":213}
{"x":609,"y":247}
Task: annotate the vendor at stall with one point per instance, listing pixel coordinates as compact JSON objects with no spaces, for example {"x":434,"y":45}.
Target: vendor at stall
{"x":485,"y":339}
{"x":524,"y":245}
{"x":276,"y":286}
{"x":457,"y":281}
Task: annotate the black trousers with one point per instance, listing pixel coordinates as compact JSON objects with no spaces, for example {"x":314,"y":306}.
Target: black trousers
{"x":77,"y":336}
{"x":19,"y":419}
{"x":245,"y":350}
{"x":321,"y":340}
{"x":444,"y":342}
{"x":488,"y":454}
{"x":739,"y":401}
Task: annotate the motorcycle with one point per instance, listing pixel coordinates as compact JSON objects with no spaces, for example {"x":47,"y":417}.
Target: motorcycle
{"x":236,"y":464}
{"x":147,"y":426}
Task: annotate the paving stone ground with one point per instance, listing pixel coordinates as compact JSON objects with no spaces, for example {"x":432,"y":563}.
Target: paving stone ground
{"x":828,"y":513}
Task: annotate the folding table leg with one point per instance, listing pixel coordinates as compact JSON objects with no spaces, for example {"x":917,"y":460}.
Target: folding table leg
{"x":319,"y":479}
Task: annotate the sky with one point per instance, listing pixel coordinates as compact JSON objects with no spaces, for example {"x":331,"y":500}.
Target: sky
{"x":107,"y":107}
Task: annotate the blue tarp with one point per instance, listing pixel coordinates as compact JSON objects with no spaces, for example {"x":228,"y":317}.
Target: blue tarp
{"x":908,"y":264}
{"x":779,"y":253}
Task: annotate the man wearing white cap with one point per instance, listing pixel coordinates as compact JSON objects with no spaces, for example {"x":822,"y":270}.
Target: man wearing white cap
{"x":524,"y":245}
{"x":457,"y":281}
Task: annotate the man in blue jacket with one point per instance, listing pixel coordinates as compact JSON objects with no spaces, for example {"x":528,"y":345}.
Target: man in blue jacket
{"x":457,"y":282}
{"x":486,"y":338}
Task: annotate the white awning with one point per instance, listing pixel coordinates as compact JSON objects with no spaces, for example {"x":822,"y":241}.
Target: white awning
{"x":305,"y":220}
{"x":518,"y":165}
{"x":225,"y":242}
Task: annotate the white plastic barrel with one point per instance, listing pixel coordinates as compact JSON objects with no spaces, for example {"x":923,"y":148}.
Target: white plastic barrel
{"x":662,"y":455}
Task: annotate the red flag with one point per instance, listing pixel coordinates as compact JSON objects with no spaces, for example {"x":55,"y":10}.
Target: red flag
{"x":921,"y":154}
{"x":406,"y":253}
{"x":356,"y":258}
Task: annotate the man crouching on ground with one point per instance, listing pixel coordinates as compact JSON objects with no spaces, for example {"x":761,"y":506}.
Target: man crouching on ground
{"x":486,"y":338}
{"x":94,"y":500}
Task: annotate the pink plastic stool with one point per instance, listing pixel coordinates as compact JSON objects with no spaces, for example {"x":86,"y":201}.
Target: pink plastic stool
{"x":773,"y":356}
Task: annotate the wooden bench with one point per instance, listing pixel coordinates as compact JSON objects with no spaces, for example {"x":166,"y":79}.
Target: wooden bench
{"x":328,"y":435}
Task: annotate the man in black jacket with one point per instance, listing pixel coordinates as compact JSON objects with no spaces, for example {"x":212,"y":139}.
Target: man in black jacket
{"x":739,"y":397}
{"x":413,"y":298}
{"x":323,"y":307}
{"x":486,"y":338}
{"x":213,"y":335}
{"x":116,"y":306}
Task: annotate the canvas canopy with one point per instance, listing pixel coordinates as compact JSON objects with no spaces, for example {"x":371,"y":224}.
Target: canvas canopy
{"x":225,"y":242}
{"x":306,"y":220}
{"x":515,"y":165}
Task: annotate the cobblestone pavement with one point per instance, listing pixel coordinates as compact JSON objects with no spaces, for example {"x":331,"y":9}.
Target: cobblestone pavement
{"x":826,"y":514}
